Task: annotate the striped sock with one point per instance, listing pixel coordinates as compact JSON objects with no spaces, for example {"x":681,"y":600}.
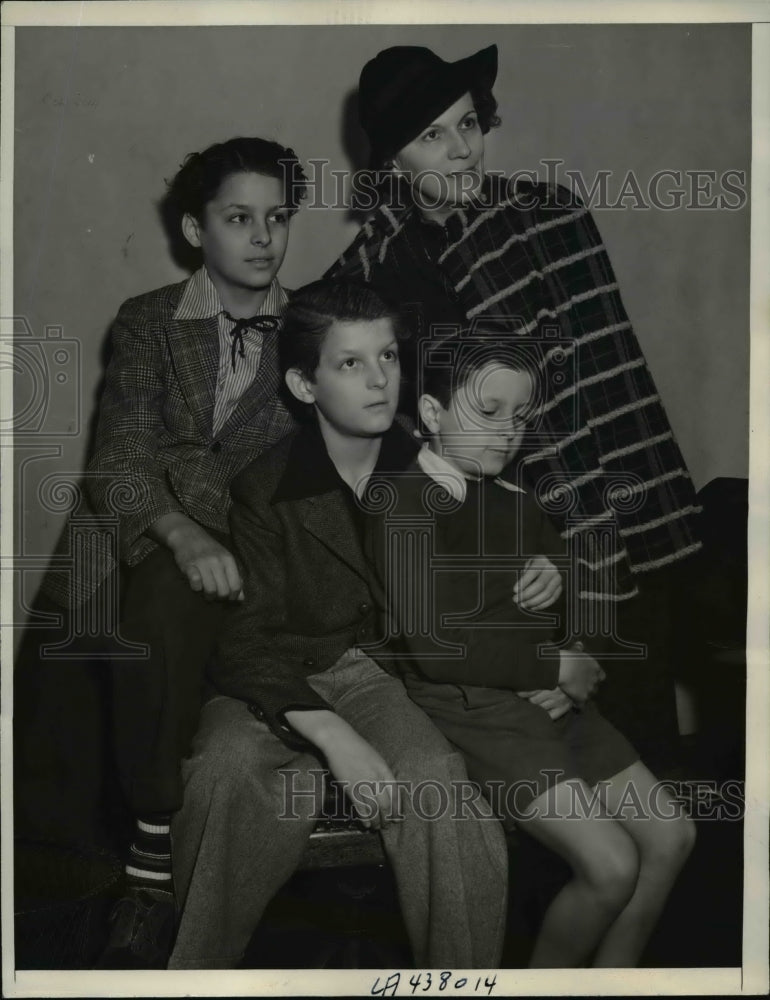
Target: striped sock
{"x":149,"y":857}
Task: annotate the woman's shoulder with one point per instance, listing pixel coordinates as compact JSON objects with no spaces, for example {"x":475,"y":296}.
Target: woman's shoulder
{"x":361,"y":254}
{"x":531,"y":208}
{"x":526,"y":193}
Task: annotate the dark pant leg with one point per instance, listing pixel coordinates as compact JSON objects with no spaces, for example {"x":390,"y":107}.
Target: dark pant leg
{"x":61,"y":749}
{"x":157,"y":699}
{"x":638,"y":695}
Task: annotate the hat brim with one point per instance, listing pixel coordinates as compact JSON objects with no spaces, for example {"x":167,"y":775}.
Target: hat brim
{"x":438,"y":92}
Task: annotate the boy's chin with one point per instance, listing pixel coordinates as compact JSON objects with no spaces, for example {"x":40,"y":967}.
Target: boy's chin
{"x":376,"y":426}
{"x":262,"y":282}
{"x":370,"y":434}
{"x":494,"y":468}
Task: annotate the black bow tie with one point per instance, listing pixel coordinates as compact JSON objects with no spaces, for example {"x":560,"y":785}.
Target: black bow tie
{"x":262,"y":324}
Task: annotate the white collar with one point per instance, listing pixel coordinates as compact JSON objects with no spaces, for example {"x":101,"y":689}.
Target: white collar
{"x":442,"y":472}
{"x":200,"y":298}
{"x":453,"y":481}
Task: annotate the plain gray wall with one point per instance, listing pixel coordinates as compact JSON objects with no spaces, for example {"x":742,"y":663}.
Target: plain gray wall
{"x":104,"y":115}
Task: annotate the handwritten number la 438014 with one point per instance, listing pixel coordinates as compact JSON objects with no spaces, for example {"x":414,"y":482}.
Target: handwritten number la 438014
{"x":423,"y":981}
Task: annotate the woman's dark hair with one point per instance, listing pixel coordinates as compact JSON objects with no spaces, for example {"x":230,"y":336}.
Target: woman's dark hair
{"x":202,"y":174}
{"x":311,"y":312}
{"x":485,"y":106}
{"x":485,"y":103}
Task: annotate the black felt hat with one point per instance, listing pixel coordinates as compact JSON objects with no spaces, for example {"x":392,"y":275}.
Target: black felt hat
{"x":406,"y":87}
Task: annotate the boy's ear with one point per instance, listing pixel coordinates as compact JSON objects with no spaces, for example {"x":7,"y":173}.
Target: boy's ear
{"x":299,"y":385}
{"x":191,"y":229}
{"x":430,"y":411}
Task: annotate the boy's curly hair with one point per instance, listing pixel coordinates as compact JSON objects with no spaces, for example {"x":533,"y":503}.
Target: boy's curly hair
{"x":202,"y":174}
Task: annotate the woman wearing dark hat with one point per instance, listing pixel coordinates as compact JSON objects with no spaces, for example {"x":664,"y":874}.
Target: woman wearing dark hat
{"x":460,"y":249}
{"x":425,"y":120}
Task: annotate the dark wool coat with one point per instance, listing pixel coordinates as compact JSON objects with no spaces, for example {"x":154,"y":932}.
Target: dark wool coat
{"x":309,"y":592}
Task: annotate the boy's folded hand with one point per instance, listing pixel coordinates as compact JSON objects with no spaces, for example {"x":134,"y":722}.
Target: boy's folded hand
{"x":555,"y":702}
{"x":579,"y":675}
{"x":539,"y":586}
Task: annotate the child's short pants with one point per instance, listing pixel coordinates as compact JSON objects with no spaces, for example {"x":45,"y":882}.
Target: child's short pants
{"x":513,"y":748}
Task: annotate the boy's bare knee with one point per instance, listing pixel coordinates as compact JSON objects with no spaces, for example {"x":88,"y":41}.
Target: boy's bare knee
{"x":684,"y":837}
{"x":613,"y":876}
{"x":674,"y":843}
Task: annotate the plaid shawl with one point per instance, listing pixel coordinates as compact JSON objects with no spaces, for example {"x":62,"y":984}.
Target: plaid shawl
{"x":155,"y":449}
{"x":606,"y":467}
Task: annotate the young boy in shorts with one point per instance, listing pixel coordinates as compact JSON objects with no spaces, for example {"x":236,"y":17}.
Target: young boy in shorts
{"x":191,"y":395}
{"x":490,"y":675}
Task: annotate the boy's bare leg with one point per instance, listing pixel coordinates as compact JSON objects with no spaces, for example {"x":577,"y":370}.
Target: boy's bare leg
{"x":604,"y":863}
{"x":664,"y":838}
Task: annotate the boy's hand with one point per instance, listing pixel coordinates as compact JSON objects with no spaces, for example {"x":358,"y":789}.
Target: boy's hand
{"x":555,"y":702}
{"x":208,"y":566}
{"x":539,"y":586}
{"x":365,"y":777}
{"x":579,"y":675}
{"x":357,"y":766}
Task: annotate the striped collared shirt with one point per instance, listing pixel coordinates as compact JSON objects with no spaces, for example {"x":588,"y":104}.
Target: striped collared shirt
{"x":200,"y":300}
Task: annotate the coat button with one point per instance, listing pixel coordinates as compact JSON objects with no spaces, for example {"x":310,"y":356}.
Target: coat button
{"x":308,"y":662}
{"x":364,"y":609}
{"x":216,"y":446}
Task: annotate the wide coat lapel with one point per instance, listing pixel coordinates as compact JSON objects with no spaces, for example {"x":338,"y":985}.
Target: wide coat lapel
{"x":194,"y":347}
{"x":310,"y":483}
{"x":328,"y":518}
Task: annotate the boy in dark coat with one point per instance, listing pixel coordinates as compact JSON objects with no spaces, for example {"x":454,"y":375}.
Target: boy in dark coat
{"x":298,"y":692}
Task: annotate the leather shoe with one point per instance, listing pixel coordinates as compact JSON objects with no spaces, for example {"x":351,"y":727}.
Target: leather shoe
{"x":141,"y":931}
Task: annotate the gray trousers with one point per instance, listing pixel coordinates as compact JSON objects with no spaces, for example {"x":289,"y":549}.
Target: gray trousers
{"x":236,"y":839}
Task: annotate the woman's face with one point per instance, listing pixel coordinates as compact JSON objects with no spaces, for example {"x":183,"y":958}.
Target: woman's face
{"x":445,"y":163}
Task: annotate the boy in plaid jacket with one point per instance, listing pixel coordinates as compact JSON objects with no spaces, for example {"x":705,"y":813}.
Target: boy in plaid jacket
{"x":191,"y":396}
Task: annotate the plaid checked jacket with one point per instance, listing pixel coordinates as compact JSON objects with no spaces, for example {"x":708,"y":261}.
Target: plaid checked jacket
{"x":529,"y":260}
{"x":155,"y":450}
